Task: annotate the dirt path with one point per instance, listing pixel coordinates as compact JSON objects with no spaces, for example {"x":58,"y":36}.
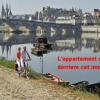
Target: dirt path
{"x":15,"y":88}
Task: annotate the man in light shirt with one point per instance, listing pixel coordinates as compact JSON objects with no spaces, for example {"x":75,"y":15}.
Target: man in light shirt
{"x":25,"y":57}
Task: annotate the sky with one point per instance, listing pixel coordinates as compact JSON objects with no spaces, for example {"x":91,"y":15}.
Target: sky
{"x":30,"y":6}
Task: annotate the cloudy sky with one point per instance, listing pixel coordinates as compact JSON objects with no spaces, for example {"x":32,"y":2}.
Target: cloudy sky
{"x":30,"y":6}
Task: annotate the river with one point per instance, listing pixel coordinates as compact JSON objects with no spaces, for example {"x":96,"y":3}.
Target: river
{"x":78,"y":48}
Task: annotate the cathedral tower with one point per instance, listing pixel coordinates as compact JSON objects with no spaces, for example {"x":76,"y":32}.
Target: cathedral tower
{"x":6,"y":12}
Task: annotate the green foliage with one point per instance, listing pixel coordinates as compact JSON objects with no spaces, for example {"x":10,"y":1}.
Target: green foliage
{"x":7,"y":63}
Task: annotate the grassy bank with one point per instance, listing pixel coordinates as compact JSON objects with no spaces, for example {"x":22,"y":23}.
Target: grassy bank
{"x":44,"y":83}
{"x":87,"y":95}
{"x":10,"y":64}
{"x":7,"y":63}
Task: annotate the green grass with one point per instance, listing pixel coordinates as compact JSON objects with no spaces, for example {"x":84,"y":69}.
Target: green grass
{"x":7,"y":63}
{"x":87,"y":95}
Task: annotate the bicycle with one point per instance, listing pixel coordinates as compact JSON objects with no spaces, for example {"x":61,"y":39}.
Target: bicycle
{"x":24,"y":71}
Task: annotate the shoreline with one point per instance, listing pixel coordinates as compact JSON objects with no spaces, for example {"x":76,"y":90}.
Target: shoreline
{"x":33,"y":88}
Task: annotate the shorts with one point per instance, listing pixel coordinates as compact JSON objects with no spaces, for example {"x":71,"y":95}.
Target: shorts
{"x":19,"y":64}
{"x":24,"y":63}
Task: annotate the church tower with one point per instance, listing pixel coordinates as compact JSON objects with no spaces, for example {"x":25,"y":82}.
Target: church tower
{"x":10,"y":12}
{"x":3,"y":13}
{"x":6,"y":12}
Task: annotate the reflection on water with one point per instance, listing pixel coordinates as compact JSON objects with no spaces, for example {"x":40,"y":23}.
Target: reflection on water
{"x":71,"y":47}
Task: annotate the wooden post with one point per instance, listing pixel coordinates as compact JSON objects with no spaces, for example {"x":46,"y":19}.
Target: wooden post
{"x":42,"y":64}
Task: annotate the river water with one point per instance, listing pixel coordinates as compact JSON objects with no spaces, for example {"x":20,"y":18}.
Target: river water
{"x":85,"y":48}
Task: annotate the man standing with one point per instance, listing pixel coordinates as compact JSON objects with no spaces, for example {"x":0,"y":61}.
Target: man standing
{"x":24,"y":60}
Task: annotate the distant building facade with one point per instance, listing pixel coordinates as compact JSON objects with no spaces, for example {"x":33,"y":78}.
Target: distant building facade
{"x":88,"y":19}
{"x":91,"y":18}
{"x":69,"y":20}
{"x":96,"y":15}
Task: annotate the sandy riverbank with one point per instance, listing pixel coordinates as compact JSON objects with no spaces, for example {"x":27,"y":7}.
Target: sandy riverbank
{"x":14,"y":88}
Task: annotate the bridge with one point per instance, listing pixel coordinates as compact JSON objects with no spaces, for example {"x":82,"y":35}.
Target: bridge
{"x":49,"y":29}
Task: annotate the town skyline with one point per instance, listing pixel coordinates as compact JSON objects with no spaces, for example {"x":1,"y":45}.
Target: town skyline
{"x":31,"y":6}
